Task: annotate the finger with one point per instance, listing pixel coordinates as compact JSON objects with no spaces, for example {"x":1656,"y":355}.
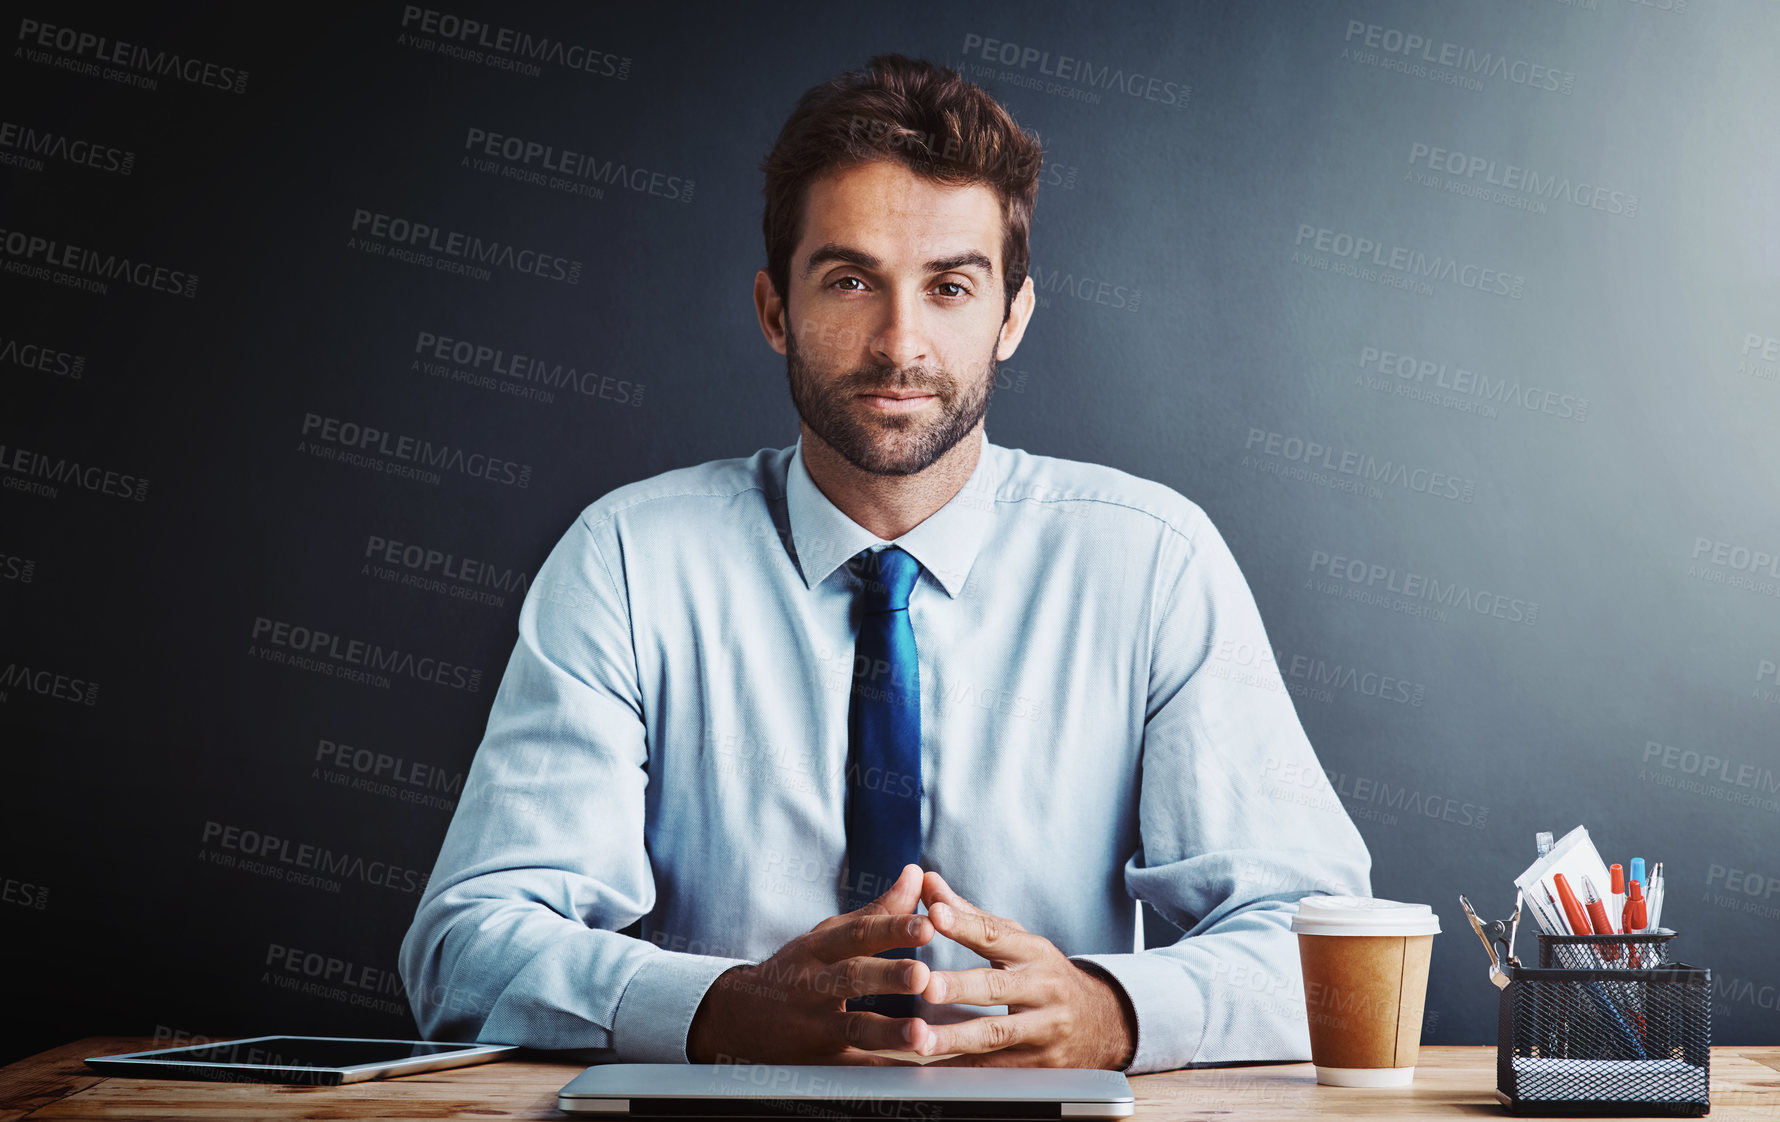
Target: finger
{"x":996,"y":938}
{"x":866,"y":974}
{"x":900,"y":897}
{"x":860,"y":934}
{"x":858,"y":1058}
{"x":1007,"y":1057}
{"x":935,"y":889}
{"x":987,"y":986}
{"x":876,"y":1032}
{"x":986,"y":1034}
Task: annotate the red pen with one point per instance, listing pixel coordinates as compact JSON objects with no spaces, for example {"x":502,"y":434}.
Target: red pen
{"x":1636,"y":917}
{"x":1597,"y":915}
{"x":1616,"y":907}
{"x":1573,"y":913}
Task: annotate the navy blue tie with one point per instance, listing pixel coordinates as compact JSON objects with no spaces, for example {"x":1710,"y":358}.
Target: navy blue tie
{"x":884,"y":747}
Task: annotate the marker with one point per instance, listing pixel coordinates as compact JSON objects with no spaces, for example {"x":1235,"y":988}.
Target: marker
{"x":1574,"y":914}
{"x":1637,"y":920}
{"x":1597,"y":917}
{"x":1616,"y":895}
{"x":1637,"y":917}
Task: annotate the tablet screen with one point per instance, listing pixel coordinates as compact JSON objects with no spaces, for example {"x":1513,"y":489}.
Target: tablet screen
{"x":297,"y":1051}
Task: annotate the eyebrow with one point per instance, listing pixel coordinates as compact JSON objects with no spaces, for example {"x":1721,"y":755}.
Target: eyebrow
{"x":833,"y":251}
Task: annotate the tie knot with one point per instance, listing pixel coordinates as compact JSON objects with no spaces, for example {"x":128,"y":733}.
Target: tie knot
{"x":887,"y":576}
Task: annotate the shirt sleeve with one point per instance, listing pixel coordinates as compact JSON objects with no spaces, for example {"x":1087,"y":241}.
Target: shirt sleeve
{"x":517,"y":938}
{"x":1237,"y":822}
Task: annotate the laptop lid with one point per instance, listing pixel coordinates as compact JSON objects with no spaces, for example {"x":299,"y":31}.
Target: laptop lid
{"x":326,"y":1060}
{"x":914,"y":1093}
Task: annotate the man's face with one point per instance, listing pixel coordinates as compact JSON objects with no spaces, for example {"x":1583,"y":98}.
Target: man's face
{"x":894,"y":315}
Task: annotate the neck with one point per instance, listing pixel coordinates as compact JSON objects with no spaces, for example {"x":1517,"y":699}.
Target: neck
{"x":890,"y":505}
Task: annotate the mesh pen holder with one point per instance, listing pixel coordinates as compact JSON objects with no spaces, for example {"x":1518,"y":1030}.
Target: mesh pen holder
{"x":1605,"y":952}
{"x":1608,"y":1039}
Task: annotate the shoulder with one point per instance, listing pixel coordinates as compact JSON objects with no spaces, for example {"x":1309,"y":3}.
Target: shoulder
{"x":1079,"y":487}
{"x":694,"y":495}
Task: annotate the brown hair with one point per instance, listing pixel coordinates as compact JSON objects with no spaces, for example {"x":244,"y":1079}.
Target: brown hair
{"x":926,"y":117}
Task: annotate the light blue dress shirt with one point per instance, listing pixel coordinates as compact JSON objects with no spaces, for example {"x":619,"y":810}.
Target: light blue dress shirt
{"x":1101,"y":720}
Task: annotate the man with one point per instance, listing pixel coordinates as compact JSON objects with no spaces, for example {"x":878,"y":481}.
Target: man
{"x":876,"y":737}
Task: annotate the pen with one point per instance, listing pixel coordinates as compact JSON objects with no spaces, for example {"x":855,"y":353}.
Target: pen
{"x":1574,"y":914}
{"x":1557,"y":914}
{"x":1637,"y":917}
{"x":1616,"y":886}
{"x":1597,"y":916}
{"x":1655,"y":905}
{"x":1631,"y":1037}
{"x":1543,"y":916}
{"x":1636,"y":872}
{"x":1637,"y":921}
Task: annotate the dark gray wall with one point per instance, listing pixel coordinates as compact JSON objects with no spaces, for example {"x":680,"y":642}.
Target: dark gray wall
{"x":1519,"y":575}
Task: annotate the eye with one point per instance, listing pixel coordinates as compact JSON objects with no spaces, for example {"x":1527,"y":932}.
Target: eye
{"x":961,"y":289}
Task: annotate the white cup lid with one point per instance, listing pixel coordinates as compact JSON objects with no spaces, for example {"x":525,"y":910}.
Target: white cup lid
{"x":1363,"y":915}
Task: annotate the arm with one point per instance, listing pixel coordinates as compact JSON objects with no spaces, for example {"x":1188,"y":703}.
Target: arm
{"x":1237,"y":821}
{"x":517,"y":936}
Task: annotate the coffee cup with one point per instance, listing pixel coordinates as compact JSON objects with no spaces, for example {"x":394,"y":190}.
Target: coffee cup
{"x":1365,"y":963}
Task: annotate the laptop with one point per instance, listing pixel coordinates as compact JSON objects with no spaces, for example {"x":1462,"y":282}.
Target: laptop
{"x":325,"y":1060}
{"x":913,"y":1093}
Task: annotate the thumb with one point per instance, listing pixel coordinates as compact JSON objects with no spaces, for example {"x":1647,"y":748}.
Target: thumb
{"x":900,"y":898}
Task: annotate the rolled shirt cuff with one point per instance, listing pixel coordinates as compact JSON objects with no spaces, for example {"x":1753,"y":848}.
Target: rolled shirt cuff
{"x":1169,"y":1008}
{"x":655,"y":1011}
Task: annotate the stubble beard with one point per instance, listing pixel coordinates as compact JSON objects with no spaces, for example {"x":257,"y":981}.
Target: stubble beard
{"x":890,"y":443}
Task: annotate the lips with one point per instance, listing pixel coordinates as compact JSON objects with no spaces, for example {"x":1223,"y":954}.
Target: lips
{"x":897,"y":402}
{"x":897,"y":395}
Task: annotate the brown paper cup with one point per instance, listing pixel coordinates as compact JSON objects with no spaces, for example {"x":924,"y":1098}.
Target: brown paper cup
{"x":1364,"y":995}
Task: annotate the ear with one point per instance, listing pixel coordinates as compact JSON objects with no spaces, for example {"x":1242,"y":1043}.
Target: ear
{"x":771,"y":310}
{"x":1019,"y":314}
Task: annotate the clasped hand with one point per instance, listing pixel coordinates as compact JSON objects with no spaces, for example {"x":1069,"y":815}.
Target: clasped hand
{"x":792,"y":1007}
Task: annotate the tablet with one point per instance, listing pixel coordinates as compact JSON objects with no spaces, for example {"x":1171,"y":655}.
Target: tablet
{"x":900,"y":1093}
{"x":327,"y":1060}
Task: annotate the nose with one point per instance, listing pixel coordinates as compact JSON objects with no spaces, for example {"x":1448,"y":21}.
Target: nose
{"x":901,"y":339}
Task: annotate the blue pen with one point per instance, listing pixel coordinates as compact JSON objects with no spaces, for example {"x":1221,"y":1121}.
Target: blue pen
{"x":1628,"y":1036}
{"x":1637,"y":872}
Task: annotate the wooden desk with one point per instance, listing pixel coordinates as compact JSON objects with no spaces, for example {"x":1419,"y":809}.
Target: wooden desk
{"x":1449,"y":1083}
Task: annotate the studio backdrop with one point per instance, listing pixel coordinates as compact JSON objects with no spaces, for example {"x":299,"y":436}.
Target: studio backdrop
{"x":317,"y":330}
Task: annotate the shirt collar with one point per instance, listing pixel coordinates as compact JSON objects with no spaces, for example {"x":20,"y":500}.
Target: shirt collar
{"x":946,"y":543}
